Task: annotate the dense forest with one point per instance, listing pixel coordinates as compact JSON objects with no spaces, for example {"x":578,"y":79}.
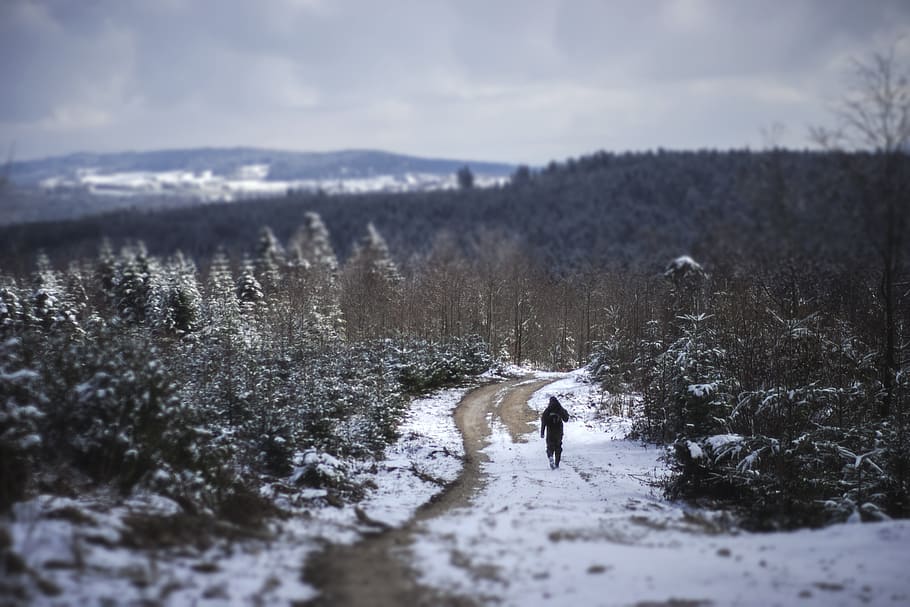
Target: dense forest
{"x":213,"y":345}
{"x":604,"y":210}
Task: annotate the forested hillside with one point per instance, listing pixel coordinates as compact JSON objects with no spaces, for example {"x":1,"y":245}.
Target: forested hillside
{"x":604,"y":210}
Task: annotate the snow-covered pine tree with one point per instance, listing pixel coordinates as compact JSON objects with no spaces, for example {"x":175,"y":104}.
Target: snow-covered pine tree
{"x":269,"y":261}
{"x":688,"y":277}
{"x":50,"y":306}
{"x":249,"y":291}
{"x":371,"y":287}
{"x":223,"y":306}
{"x":106,"y":273}
{"x":182,"y":308}
{"x":12,"y":309}
{"x":220,"y":357}
{"x":81,"y":294}
{"x":691,"y":376}
{"x":373,"y":251}
{"x":20,"y":387}
{"x":311,"y":245}
{"x":138,"y":292}
{"x":253,"y":304}
{"x":314,"y":292}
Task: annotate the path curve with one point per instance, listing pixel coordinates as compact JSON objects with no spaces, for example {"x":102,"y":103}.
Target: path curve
{"x":374,"y":570}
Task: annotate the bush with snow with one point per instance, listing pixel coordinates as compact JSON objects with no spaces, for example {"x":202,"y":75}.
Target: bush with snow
{"x":689,"y":390}
{"x":20,"y":415}
{"x":803,"y":448}
{"x":424,"y":365}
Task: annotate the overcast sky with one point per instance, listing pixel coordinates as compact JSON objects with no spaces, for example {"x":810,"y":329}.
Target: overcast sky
{"x":518,"y":81}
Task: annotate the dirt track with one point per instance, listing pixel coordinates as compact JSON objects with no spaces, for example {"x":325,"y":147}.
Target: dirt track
{"x":374,"y":571}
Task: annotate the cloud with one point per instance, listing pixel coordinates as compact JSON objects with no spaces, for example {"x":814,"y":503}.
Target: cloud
{"x":513,"y":80}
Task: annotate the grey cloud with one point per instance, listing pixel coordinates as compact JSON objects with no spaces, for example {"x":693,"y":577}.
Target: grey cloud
{"x":502,"y":80}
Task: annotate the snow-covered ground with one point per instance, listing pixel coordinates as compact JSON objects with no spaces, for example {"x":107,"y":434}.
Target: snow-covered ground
{"x":87,"y":551}
{"x":249,"y":181}
{"x":430,"y":447}
{"x":592,"y":533}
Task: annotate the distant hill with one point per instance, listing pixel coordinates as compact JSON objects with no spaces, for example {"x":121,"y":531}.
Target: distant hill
{"x":75,"y":185}
{"x":282,"y":165}
{"x":634,"y":210}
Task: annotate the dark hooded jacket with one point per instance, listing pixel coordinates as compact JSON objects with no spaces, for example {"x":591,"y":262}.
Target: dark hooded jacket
{"x":551,"y":420}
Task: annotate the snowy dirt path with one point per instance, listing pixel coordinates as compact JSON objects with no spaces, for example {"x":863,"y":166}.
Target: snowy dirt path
{"x":592,"y":533}
{"x":376,"y":570}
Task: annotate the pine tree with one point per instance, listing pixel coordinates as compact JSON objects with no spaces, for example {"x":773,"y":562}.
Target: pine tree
{"x":269,"y":261}
{"x":106,"y":268}
{"x":223,"y":304}
{"x":371,"y":287}
{"x":695,"y":390}
{"x":50,"y":308}
{"x":79,"y":289}
{"x":311,"y":245}
{"x":374,"y":252}
{"x":249,"y":292}
{"x":183,"y":301}
{"x":223,"y":358}
{"x":314,"y":292}
{"x":12,"y":310}
{"x":138,"y":291}
{"x":19,"y":418}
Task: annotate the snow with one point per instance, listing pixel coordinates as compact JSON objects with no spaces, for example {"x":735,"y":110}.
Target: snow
{"x":719,"y":441}
{"x":684,"y":263}
{"x":702,"y":390}
{"x":20,"y":375}
{"x":593,"y":533}
{"x":29,"y":441}
{"x":694,"y":450}
{"x":429,"y":442}
{"x":253,"y":171}
{"x":92,"y":565}
{"x":596,"y":531}
{"x":248,"y":181}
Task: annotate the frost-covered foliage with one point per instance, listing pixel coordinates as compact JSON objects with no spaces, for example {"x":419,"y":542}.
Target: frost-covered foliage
{"x":424,"y":366}
{"x":347,"y":400}
{"x":12,"y":314}
{"x":313,"y":271}
{"x":249,"y":291}
{"x":311,"y":246}
{"x":50,"y":307}
{"x":775,"y":416}
{"x":613,"y":361}
{"x":126,"y":372}
{"x":20,"y":413}
{"x":182,"y":309}
{"x":689,"y":391}
{"x":124,"y":420}
{"x":104,"y":403}
{"x":136,"y":285}
{"x":269,"y":260}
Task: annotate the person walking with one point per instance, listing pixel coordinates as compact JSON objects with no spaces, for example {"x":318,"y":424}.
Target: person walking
{"x":551,"y":421}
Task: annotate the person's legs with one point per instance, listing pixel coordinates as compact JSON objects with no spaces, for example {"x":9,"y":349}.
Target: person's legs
{"x":557,"y":448}
{"x":551,"y":448}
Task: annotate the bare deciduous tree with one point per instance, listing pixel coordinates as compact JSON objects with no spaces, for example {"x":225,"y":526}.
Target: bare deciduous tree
{"x":874,"y":116}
